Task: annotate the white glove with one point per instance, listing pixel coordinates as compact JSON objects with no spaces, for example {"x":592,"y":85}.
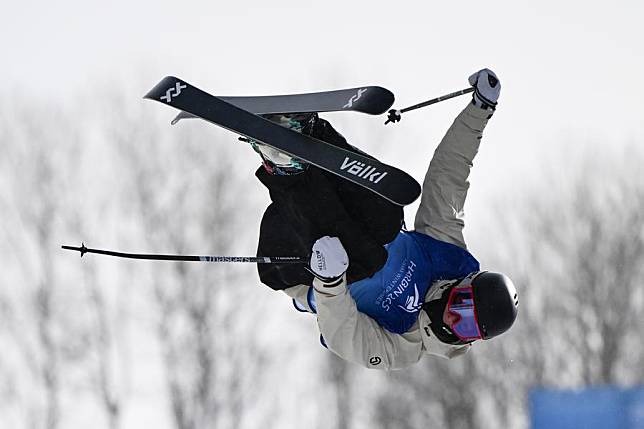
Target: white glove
{"x":329,"y":260}
{"x":487,"y":88}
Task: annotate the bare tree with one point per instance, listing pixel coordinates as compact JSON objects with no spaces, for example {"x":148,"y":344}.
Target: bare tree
{"x":103,"y":372}
{"x":34,"y":152}
{"x":576,"y":256}
{"x":187,"y":194}
{"x":600,"y":245}
{"x":577,"y":259}
{"x":339,"y":377}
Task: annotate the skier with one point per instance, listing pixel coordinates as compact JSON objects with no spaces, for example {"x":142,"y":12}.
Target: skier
{"x":385,"y":296}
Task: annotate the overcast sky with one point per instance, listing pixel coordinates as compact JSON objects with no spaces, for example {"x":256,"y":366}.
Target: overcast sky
{"x":574,"y":65}
{"x":571,"y":71}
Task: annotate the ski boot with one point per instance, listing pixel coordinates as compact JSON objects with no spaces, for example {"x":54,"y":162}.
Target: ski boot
{"x":279,"y":163}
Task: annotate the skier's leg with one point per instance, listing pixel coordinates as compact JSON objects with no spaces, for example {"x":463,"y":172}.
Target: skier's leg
{"x":379,"y":218}
{"x":278,"y":237}
{"x":315,"y":203}
{"x":310,"y":204}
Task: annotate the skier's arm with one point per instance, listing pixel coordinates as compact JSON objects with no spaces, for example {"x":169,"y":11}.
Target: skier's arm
{"x":356,"y":337}
{"x":350,"y":334}
{"x":301,"y":295}
{"x":440,"y":214}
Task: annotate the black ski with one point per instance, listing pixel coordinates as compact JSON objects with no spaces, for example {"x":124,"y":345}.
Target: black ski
{"x":389,"y":182}
{"x":373,"y":100}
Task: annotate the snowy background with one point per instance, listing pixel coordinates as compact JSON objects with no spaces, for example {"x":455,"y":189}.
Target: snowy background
{"x":557,"y":202}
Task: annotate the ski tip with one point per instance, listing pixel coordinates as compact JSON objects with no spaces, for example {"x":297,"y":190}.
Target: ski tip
{"x":405,"y":200}
{"x":387,"y":92}
{"x":182,"y":115}
{"x":161,"y":87}
{"x":377,"y":100}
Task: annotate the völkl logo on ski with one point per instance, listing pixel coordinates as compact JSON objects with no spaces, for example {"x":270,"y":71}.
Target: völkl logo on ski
{"x":354,"y":98}
{"x":362,"y":170}
{"x":177,"y":91}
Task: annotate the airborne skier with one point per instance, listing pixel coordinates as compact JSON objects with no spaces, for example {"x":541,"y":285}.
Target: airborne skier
{"x":385,"y":296}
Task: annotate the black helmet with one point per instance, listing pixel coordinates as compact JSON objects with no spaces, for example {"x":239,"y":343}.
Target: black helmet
{"x":496,"y":303}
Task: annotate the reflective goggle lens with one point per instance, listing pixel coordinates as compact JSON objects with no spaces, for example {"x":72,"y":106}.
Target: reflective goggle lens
{"x":461,"y":304}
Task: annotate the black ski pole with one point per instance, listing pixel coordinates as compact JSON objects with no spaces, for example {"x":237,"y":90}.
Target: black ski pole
{"x":257,"y":259}
{"x":395,"y":115}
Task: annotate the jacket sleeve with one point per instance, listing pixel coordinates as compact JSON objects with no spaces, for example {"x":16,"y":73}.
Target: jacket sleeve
{"x":440,"y":214}
{"x":300,"y":295}
{"x":356,"y":337}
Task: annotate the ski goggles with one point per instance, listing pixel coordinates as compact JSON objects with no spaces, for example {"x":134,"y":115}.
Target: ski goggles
{"x":461,"y":304}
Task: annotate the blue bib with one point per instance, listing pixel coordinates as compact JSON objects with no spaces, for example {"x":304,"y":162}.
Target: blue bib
{"x":394,"y":295}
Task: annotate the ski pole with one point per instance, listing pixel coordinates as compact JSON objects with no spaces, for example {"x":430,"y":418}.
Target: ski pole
{"x":395,"y":115}
{"x":257,"y":259}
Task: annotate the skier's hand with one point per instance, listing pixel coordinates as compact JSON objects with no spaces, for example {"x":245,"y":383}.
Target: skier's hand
{"x":329,"y":260}
{"x":487,"y":88}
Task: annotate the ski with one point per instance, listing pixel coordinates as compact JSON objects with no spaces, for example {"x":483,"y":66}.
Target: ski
{"x":373,"y":100}
{"x":389,"y":182}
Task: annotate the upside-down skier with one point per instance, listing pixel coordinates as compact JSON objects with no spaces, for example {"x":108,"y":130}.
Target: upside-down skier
{"x":385,"y":296}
